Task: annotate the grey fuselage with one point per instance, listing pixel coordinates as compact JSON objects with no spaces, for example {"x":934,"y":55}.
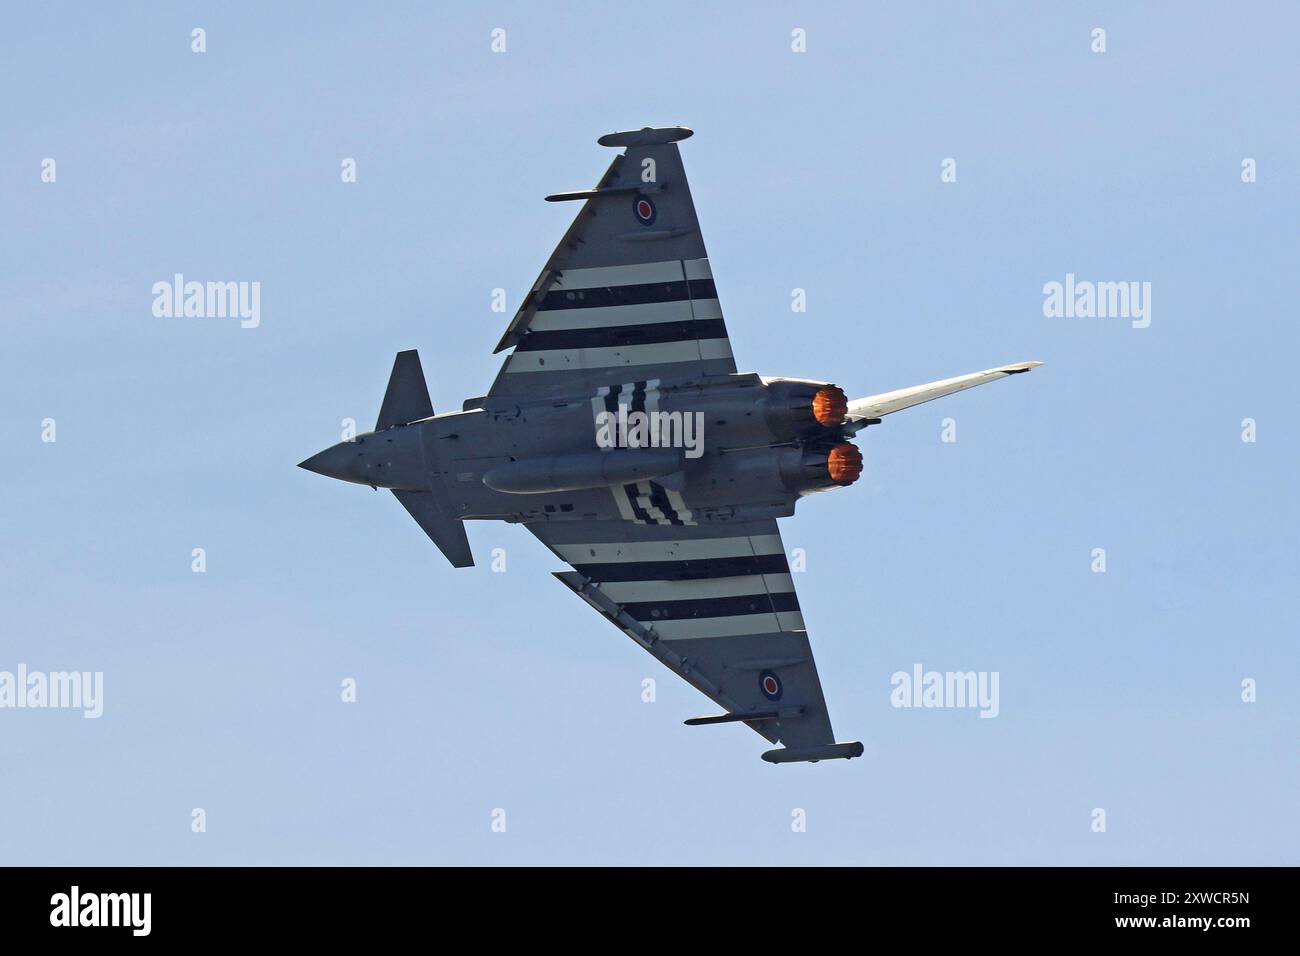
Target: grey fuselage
{"x":754,"y":449}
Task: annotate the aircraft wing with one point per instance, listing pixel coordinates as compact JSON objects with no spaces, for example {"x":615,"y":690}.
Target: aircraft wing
{"x":628,"y":293}
{"x":863,"y":411}
{"x":716,"y":605}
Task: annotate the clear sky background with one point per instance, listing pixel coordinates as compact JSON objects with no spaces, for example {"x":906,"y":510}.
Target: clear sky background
{"x":820,"y":170}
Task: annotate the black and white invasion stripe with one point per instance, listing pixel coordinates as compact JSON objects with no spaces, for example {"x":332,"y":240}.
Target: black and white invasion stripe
{"x":646,"y":502}
{"x":710,"y":587}
{"x":650,"y":313}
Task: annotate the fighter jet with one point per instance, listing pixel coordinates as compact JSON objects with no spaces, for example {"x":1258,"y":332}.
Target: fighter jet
{"x":619,"y":432}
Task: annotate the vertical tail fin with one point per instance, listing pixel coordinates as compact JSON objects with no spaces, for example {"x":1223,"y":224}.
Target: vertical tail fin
{"x":407,"y":398}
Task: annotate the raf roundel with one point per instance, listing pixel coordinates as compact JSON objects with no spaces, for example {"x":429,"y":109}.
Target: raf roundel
{"x":645,"y":211}
{"x":770,"y":685}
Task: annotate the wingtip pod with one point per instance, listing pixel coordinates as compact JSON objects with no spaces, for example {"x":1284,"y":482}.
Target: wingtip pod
{"x":843,"y":751}
{"x":649,"y":136}
{"x":1016,"y":368}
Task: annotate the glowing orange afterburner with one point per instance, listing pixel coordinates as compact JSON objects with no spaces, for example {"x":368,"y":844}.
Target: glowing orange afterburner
{"x":844,"y":464}
{"x":830,"y":406}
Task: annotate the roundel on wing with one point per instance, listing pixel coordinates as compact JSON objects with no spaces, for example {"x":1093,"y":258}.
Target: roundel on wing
{"x":770,"y":685}
{"x":645,"y":211}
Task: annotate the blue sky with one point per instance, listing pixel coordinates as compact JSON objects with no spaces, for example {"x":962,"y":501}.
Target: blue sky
{"x":819,"y":171}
